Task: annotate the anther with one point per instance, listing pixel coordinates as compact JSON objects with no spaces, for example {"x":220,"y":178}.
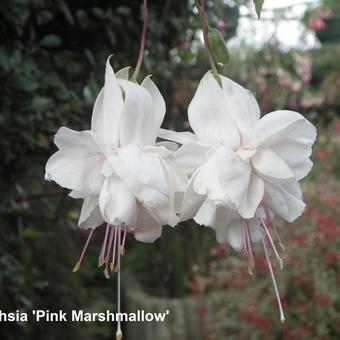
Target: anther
{"x":106,"y":273}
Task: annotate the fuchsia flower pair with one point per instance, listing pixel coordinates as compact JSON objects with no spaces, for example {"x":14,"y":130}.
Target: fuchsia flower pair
{"x":233,"y":174}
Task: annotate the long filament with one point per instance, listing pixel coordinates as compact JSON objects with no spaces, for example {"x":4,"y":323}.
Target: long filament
{"x":102,"y":252}
{"x":271,"y":241}
{"x":114,"y":249}
{"x":77,"y":266}
{"x":250,"y":250}
{"x":106,"y":272}
{"x":119,"y":333}
{"x":122,"y":246}
{"x":277,"y":235}
{"x":282,"y":317}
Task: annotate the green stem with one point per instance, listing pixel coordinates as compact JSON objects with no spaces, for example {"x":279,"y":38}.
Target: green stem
{"x":142,"y":44}
{"x":201,"y":10}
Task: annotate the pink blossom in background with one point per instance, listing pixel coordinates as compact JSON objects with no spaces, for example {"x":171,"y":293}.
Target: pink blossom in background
{"x":316,"y":24}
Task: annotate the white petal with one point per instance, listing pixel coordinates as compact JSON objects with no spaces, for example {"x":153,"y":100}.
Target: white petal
{"x":178,"y":137}
{"x":224,"y":219}
{"x":242,"y":107}
{"x":255,"y":230}
{"x":190,"y":156}
{"x":78,"y":163}
{"x":269,"y":163}
{"x":209,"y":116}
{"x":80,"y":174}
{"x":253,"y":197}
{"x":148,"y":234}
{"x":229,"y":227}
{"x":302,"y":169}
{"x":90,"y":216}
{"x":116,"y":202}
{"x":285,"y":199}
{"x":76,"y":194}
{"x":158,"y":107}
{"x":98,"y":114}
{"x":275,"y":126}
{"x":167,"y":215}
{"x":148,"y":230}
{"x":159,"y":149}
{"x":294,"y":143}
{"x":191,"y":200}
{"x":224,"y":178}
{"x":245,"y":153}
{"x":171,"y":146}
{"x":144,"y":174}
{"x":123,"y":73}
{"x":108,"y":109}
{"x":82,"y":143}
{"x":235,"y":235}
{"x":149,"y":179}
{"x":206,"y":214}
{"x":179,"y":178}
{"x":138,"y":113}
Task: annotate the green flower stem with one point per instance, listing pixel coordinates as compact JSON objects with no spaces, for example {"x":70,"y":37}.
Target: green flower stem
{"x":142,"y":43}
{"x":201,"y":10}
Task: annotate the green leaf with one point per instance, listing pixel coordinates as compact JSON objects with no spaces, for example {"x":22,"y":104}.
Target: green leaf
{"x":123,"y":10}
{"x":218,"y":46}
{"x":258,"y":7}
{"x":50,"y":40}
{"x":32,"y":233}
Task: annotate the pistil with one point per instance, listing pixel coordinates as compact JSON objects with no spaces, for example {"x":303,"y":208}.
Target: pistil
{"x":282,"y":317}
{"x":119,"y":334}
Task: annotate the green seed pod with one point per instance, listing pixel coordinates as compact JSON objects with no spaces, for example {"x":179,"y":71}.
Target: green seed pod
{"x":218,"y":46}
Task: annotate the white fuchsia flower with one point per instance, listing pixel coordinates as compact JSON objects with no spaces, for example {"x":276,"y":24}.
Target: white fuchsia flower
{"x":125,"y":178}
{"x":243,"y":169}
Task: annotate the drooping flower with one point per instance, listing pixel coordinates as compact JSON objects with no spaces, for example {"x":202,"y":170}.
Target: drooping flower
{"x":239,"y":160}
{"x":243,"y":169}
{"x":124,"y":177}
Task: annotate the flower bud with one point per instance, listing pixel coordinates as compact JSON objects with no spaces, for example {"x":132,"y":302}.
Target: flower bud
{"x":218,"y":46}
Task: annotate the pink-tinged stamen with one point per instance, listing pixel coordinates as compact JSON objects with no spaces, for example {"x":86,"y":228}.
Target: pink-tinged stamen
{"x":122,"y":246}
{"x":109,"y":245}
{"x":113,"y":268}
{"x":250,"y":250}
{"x":247,"y":247}
{"x":102,"y":252}
{"x":270,"y":241}
{"x":282,"y":317}
{"x":277,"y":235}
{"x":106,"y":271}
{"x":270,"y":220}
{"x":77,"y":266}
{"x":245,"y":250}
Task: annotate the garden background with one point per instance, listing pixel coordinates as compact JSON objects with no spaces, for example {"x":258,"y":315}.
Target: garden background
{"x":52,"y":59}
